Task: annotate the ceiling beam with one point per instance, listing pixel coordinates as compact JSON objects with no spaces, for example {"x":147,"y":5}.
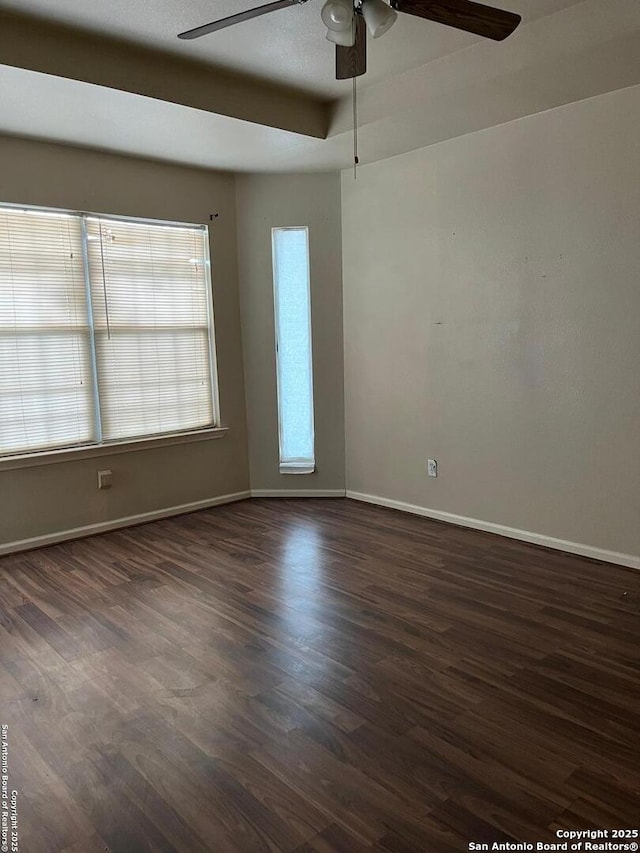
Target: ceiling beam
{"x":36,"y":45}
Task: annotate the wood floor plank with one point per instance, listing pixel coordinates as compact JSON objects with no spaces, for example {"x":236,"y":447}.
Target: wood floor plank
{"x":316,"y":676}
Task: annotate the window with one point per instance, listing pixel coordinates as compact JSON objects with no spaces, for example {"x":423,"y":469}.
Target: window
{"x":105,"y":330}
{"x":293,"y":349}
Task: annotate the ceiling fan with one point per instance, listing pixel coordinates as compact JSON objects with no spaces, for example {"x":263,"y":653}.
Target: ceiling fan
{"x":347,"y":22}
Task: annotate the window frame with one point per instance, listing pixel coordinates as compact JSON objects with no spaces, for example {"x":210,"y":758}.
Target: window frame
{"x":100,"y":447}
{"x":298,"y":465}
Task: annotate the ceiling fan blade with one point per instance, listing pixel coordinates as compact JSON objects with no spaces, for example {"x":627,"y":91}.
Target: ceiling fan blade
{"x":352,"y":61}
{"x":463,"y":15}
{"x":205,"y":29}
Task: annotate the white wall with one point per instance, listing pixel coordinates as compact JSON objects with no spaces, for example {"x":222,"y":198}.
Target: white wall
{"x":265,"y":202}
{"x":492,"y":321}
{"x":48,"y":499}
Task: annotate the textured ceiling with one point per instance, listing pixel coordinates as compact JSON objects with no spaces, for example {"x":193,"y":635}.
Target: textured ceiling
{"x":158,"y":97}
{"x":286,"y":47}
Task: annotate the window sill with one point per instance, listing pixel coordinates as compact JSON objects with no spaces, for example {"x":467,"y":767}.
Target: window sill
{"x":297,"y":467}
{"x":29,"y":460}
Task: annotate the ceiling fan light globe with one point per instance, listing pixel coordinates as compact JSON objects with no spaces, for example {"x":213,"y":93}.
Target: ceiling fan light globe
{"x":346,"y":38}
{"x":337,"y":15}
{"x":378,"y":16}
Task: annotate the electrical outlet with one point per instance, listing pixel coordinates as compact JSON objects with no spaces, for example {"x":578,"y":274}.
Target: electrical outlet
{"x":432,"y":467}
{"x":104,"y":479}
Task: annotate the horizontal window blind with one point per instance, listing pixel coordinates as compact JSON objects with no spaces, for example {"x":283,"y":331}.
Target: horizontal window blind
{"x":106,"y":330}
{"x":150,"y":298}
{"x":46,"y":387}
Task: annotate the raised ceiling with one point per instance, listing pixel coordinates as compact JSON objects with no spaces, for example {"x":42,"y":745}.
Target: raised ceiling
{"x":287,"y":47}
{"x":261,"y":96}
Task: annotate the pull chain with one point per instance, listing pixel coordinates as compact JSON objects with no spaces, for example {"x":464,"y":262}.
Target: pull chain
{"x":355,"y":128}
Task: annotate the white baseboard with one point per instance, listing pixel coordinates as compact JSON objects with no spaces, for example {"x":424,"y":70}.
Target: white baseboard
{"x":116,"y":523}
{"x":298,"y":493}
{"x":628,"y":560}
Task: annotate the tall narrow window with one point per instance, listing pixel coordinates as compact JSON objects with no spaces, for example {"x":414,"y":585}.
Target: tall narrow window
{"x":293,"y":349}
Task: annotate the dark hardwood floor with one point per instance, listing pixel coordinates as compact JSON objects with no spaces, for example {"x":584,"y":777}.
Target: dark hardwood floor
{"x":316,"y":676}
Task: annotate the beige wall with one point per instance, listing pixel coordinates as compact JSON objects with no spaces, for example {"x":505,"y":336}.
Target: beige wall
{"x":49,"y":498}
{"x":264,"y":202}
{"x":492,"y":305}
